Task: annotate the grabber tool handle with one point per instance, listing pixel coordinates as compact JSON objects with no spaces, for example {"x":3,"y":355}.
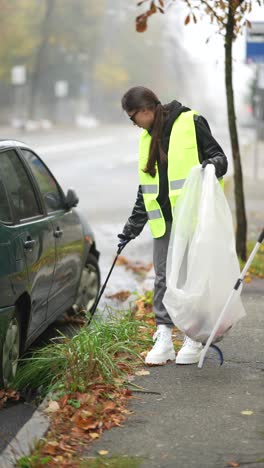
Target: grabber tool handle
{"x":93,"y":310}
{"x":231,"y":298}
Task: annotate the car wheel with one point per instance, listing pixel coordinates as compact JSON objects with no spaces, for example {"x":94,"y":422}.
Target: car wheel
{"x":10,"y":349}
{"x":89,"y":285}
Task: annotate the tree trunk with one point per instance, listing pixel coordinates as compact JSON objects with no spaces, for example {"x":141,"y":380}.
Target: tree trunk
{"x":241,"y":231}
{"x":40,"y":57}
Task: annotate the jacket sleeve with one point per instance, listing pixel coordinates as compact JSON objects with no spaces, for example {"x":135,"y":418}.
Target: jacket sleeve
{"x":138,"y":218}
{"x":208,"y":148}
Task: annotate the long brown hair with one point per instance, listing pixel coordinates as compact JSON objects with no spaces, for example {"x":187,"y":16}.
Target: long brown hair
{"x":139,"y":98}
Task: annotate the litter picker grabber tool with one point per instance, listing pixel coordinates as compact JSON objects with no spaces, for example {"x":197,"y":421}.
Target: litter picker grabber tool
{"x":93,"y":310}
{"x":231,"y":298}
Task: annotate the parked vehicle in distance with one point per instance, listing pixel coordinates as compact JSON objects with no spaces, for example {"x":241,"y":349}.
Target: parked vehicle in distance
{"x":48,"y":255}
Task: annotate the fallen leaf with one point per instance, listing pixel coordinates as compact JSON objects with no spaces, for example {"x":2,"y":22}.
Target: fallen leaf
{"x":65,"y":447}
{"x":51,"y":448}
{"x":6,"y":395}
{"x":77,"y":432}
{"x":94,"y":435}
{"x":59,"y":459}
{"x":121,"y":260}
{"x":63,"y":401}
{"x":121,"y":296}
{"x":109,"y":406}
{"x":247,"y":412}
{"x":126,"y":411}
{"x":232,"y":463}
{"x":85,"y":398}
{"x":74,"y":319}
{"x":142,"y":372}
{"x":52,"y":407}
{"x":136,"y":267}
{"x":187,"y":20}
{"x":103,"y":452}
{"x":86,"y":424}
{"x":119,"y":381}
{"x":248,"y":279}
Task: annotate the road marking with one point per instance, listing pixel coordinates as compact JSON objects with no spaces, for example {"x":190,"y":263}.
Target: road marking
{"x":127,"y":159}
{"x":66,"y":147}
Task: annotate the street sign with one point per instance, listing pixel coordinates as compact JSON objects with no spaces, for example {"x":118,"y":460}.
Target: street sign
{"x":255,"y":42}
{"x":18,"y":75}
{"x":61,"y":88}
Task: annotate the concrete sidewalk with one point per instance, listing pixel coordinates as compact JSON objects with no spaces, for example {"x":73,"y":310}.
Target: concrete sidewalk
{"x":196,"y":419}
{"x":211,"y":417}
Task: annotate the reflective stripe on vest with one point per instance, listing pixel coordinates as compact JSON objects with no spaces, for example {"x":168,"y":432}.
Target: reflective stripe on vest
{"x":149,"y":188}
{"x":177,"y":184}
{"x":154,"y":214}
{"x":182,"y":156}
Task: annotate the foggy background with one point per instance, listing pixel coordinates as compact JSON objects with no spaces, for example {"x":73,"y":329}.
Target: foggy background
{"x":69,"y":62}
{"x":64,"y":66}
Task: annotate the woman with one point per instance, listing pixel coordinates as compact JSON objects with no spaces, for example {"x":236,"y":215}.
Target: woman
{"x":174,"y":139}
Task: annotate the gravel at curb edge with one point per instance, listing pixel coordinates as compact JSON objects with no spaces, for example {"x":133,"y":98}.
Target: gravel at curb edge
{"x":22,"y":444}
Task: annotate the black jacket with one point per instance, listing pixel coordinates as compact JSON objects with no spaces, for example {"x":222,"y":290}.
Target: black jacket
{"x":208,"y":148}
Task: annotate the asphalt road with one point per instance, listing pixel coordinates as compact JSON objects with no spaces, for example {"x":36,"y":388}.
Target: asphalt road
{"x":101,"y":165}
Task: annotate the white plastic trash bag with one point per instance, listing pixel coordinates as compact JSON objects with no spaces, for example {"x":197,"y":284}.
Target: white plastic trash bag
{"x":202,"y":265}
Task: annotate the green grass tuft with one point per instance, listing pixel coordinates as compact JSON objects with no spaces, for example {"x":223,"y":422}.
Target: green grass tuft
{"x":73,"y":364}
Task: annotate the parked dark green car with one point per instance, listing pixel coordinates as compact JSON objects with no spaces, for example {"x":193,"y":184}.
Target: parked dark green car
{"x":49,"y":260}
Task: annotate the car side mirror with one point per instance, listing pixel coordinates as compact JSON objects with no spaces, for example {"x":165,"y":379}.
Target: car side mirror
{"x":71,"y":199}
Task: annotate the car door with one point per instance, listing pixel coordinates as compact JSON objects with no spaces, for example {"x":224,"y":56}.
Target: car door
{"x":9,"y":267}
{"x":32,"y":236}
{"x":68,"y":232}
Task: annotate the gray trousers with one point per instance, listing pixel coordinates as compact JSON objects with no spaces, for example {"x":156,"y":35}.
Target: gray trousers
{"x":160,"y":250}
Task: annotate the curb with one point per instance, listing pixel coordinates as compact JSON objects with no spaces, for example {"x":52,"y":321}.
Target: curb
{"x":24,"y":441}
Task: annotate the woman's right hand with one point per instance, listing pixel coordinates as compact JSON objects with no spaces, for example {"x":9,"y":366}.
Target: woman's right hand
{"x":124,"y":239}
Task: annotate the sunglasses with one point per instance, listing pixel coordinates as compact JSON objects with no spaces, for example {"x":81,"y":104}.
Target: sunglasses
{"x":132,"y":117}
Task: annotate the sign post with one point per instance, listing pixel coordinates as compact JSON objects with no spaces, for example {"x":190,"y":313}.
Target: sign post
{"x":255,"y":42}
{"x":61,"y":91}
{"x":18,"y":80}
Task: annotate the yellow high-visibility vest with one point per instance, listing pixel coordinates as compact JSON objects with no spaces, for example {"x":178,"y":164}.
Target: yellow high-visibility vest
{"x":182,"y":156}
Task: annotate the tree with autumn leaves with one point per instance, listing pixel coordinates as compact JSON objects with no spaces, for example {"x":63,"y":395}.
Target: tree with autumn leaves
{"x":230,"y":17}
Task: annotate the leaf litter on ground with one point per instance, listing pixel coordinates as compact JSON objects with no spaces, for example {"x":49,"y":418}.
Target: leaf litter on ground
{"x":79,"y":417}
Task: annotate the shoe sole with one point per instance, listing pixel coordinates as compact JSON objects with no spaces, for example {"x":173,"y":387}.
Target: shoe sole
{"x":187,"y":361}
{"x":152,"y":364}
{"x":160,"y":363}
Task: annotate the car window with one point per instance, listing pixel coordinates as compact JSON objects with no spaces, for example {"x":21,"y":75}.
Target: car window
{"x":5,"y":213}
{"x":18,"y":185}
{"x":47,"y":184}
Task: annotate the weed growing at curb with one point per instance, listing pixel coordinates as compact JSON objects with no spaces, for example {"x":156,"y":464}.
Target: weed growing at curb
{"x":87,"y":377}
{"x":33,"y":461}
{"x":103,"y":351}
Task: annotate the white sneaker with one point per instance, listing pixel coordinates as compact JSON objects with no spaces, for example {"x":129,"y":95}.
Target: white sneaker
{"x":190,"y":352}
{"x":163,"y":349}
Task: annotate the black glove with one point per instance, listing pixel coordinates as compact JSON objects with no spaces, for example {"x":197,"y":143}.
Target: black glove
{"x":124,"y":239}
{"x":207,"y":161}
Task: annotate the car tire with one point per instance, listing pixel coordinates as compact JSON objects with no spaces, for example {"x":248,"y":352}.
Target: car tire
{"x":89,"y":285}
{"x":10,"y":351}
